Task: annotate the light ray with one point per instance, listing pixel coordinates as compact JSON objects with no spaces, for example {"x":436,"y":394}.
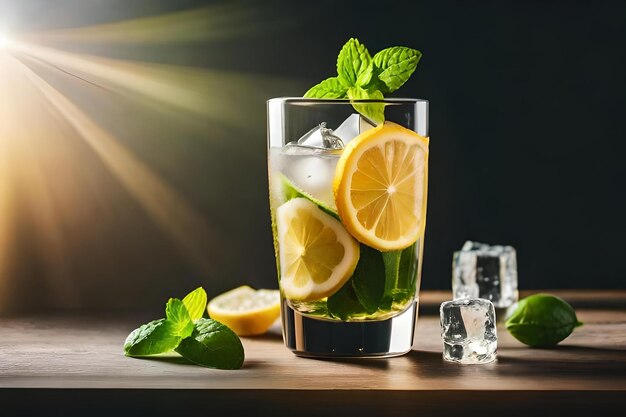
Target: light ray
{"x":52,"y":127}
{"x":21,"y":176}
{"x":162,"y":203}
{"x":214,"y":95}
{"x":212,"y":23}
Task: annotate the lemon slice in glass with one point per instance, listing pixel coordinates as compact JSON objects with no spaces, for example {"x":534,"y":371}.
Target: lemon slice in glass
{"x":316,"y":253}
{"x":380,"y":186}
{"x":245,"y":310}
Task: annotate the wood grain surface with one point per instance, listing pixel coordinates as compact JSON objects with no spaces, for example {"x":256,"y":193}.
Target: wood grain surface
{"x":68,"y":363}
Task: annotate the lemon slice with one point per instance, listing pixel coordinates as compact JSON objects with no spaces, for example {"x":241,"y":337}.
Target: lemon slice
{"x":245,"y":310}
{"x":316,"y":254}
{"x":380,"y":186}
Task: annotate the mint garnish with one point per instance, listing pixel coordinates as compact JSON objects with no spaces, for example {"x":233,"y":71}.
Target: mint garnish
{"x":329,"y":88}
{"x":542,"y":320}
{"x":212,"y":344}
{"x":206,"y":342}
{"x":353,"y":60}
{"x":373,"y":111}
{"x":360,"y":77}
{"x":394,"y":66}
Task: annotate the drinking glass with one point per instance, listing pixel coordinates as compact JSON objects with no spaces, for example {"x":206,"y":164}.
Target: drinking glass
{"x":370,"y":310}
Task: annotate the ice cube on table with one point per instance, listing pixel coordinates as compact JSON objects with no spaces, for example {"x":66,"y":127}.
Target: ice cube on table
{"x":352,"y":127}
{"x":484,"y":271}
{"x":468,"y":330}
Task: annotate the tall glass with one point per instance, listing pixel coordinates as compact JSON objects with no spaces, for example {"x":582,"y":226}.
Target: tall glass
{"x":343,"y":293}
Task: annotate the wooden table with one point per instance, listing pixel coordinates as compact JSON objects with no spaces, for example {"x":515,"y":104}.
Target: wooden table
{"x":73,"y":365}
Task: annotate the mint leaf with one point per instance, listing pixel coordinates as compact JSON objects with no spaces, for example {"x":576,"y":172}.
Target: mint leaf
{"x":178,"y":317}
{"x":213,"y":345}
{"x":365,"y":77}
{"x":368,"y":278}
{"x":373,"y":111}
{"x":353,"y":59}
{"x":392,"y":266}
{"x":393,"y":66}
{"x":329,"y":88}
{"x":344,"y":303}
{"x":407,"y":271}
{"x":158,"y":336}
{"x":542,"y":320}
{"x":195,"y":302}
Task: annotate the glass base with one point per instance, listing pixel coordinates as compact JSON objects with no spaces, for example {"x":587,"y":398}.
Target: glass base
{"x":318,"y":338}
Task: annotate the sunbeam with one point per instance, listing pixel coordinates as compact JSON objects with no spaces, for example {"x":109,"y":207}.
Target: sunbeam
{"x":91,"y":146}
{"x":165,"y":206}
{"x":211,"y":23}
{"x":22,"y":177}
{"x":218,"y":96}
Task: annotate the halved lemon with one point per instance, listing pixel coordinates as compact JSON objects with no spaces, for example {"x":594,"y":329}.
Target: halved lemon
{"x":380,"y":186}
{"x":245,"y":310}
{"x":316,"y":253}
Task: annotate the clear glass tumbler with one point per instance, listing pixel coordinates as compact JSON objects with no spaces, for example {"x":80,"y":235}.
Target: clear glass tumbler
{"x":348,"y":205}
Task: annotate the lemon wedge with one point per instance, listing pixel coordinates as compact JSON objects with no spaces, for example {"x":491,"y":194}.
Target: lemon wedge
{"x":316,"y":253}
{"x":245,"y":310}
{"x":380,"y":186}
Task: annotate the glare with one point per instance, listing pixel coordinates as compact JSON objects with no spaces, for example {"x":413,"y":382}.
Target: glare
{"x":66,"y":149}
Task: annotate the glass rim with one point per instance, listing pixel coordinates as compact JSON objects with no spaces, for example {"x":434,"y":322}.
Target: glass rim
{"x":302,"y":101}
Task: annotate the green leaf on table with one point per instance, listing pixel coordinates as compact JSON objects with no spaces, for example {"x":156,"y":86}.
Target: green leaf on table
{"x":353,"y":60}
{"x":329,"y":88}
{"x":178,"y":317}
{"x":368,"y":278}
{"x":158,"y":336}
{"x":373,"y":111}
{"x":195,"y":302}
{"x":393,"y":66}
{"x":212,"y":344}
{"x":542,"y":320}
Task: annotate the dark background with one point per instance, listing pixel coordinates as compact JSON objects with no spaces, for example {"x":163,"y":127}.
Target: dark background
{"x":527,"y":116}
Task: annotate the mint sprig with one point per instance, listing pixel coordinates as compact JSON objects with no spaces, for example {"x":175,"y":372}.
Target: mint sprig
{"x":212,"y":344}
{"x":361,"y":77}
{"x":205,"y":342}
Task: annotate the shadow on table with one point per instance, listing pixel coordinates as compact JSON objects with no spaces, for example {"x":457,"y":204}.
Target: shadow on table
{"x":175,"y":360}
{"x":366,"y":363}
{"x":430,"y":364}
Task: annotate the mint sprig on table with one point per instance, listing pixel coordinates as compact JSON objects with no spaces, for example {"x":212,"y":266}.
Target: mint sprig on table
{"x":205,"y":342}
{"x":361,"y":76}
